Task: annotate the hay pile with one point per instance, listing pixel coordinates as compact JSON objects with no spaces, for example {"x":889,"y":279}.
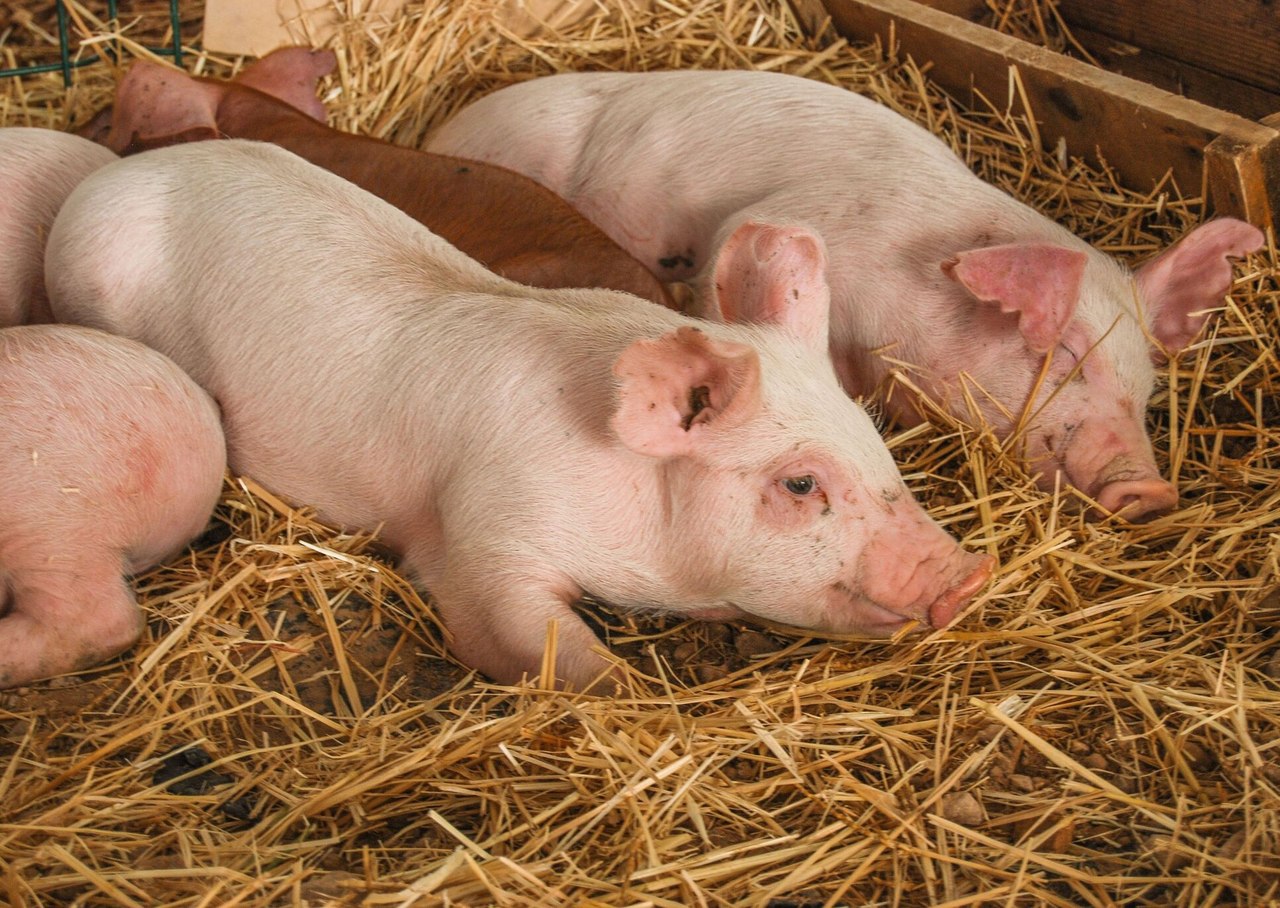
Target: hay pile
{"x":1102,"y":728}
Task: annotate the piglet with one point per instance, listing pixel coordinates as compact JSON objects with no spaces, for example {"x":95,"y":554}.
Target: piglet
{"x":112,"y":461}
{"x":930,"y":266}
{"x":38,"y":170}
{"x":504,"y":220}
{"x":518,"y":447}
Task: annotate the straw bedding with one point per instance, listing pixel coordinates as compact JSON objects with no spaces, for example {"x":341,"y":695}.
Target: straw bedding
{"x":1103,"y":727}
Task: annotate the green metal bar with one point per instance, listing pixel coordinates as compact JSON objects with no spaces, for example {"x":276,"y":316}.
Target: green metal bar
{"x":66,"y":65}
{"x":64,"y":42}
{"x":175,"y":23}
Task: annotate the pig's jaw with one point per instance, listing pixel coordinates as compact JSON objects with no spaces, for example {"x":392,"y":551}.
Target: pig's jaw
{"x":1121,"y":482}
{"x":849,"y":610}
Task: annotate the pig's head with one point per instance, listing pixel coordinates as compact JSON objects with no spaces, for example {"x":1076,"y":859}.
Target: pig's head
{"x":780,"y":496}
{"x":1082,"y":357}
{"x":158,"y":105}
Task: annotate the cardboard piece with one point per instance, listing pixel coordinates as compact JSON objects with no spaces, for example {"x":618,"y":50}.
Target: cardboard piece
{"x":255,"y":27}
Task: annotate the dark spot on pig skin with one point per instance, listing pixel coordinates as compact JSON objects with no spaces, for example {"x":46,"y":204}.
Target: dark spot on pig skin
{"x":1062,"y":100}
{"x":464,"y":170}
{"x":841,"y":587}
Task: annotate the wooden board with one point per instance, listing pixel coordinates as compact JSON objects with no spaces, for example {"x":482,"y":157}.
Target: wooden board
{"x":1179,"y":77}
{"x":1239,"y":39}
{"x":1139,"y":129}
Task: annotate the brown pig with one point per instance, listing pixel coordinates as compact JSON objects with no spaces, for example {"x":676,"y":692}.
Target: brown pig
{"x":112,"y":460}
{"x":509,"y":223}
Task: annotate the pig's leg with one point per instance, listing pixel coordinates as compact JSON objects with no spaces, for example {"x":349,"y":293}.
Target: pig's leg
{"x":498,"y":616}
{"x":64,"y":624}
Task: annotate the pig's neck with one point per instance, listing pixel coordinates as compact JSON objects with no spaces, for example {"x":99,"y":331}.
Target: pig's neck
{"x":630,"y":546}
{"x":894,"y":310}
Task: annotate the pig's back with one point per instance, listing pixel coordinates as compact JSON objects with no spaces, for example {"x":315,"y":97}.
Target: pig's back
{"x":323,"y":321}
{"x":661,"y":160}
{"x":509,"y":223}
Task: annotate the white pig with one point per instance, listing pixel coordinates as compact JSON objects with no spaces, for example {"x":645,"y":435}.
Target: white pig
{"x":38,"y":170}
{"x":518,"y":447}
{"x":111,"y":460}
{"x":928,"y":264}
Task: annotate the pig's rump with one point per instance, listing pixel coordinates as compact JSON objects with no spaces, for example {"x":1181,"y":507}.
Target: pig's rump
{"x":38,"y":170}
{"x":111,"y":461}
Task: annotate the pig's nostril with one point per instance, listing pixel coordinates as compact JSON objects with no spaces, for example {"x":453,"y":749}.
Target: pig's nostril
{"x":1138,"y":499}
{"x":949,"y":604}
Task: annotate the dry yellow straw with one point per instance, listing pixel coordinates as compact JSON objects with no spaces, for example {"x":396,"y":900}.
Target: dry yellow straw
{"x":1102,"y":727}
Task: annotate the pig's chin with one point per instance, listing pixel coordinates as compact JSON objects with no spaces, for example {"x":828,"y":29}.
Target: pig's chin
{"x":847,"y":612}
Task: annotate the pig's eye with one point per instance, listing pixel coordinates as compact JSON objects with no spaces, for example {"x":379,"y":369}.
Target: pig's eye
{"x":800,"y":485}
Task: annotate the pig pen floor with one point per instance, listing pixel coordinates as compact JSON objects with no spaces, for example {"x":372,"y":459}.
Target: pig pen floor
{"x":1102,"y":727}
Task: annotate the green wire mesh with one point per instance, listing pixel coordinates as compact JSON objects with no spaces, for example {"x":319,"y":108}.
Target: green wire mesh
{"x":66,"y":64}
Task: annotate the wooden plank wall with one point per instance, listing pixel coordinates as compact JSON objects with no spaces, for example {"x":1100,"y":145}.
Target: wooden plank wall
{"x":1141,"y":130}
{"x":1238,"y":39}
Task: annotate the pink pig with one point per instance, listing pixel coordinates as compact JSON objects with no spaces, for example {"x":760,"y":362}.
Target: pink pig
{"x":928,"y":265}
{"x":112,"y":461}
{"x":38,"y":170}
{"x":518,"y":447}
{"x":504,"y":220}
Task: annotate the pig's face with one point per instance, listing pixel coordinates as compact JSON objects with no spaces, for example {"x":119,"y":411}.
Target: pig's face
{"x":1081,"y":357}
{"x":781,"y":498}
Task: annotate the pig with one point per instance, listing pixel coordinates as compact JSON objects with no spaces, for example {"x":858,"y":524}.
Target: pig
{"x":38,"y":170}
{"x":113,"y":460}
{"x":518,"y":447}
{"x":982,"y":296}
{"x":507,"y":222}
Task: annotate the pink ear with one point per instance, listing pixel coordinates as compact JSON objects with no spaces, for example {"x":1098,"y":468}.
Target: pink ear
{"x":1039,"y":281}
{"x":156,"y":105}
{"x":679,"y":387}
{"x":1192,"y":276}
{"x":771,"y":275}
{"x":291,"y":75}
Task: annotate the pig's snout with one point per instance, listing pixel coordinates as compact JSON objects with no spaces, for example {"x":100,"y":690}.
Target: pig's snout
{"x":1138,"y":499}
{"x":948,"y":605}
{"x":914,"y":571}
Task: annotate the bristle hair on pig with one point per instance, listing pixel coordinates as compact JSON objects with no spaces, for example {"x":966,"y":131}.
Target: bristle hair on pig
{"x":929,"y":265}
{"x":38,"y":170}
{"x":112,"y":460}
{"x":518,"y":447}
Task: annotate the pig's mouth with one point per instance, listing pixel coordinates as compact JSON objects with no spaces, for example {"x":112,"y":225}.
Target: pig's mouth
{"x":848,"y":610}
{"x":868,"y":616}
{"x":1135,"y":491}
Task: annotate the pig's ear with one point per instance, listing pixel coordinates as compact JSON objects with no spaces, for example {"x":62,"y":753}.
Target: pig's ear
{"x":1193,"y":276}
{"x":680,"y":387}
{"x":771,"y":275}
{"x":157,"y":105}
{"x":1039,"y":281}
{"x":291,"y":74}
